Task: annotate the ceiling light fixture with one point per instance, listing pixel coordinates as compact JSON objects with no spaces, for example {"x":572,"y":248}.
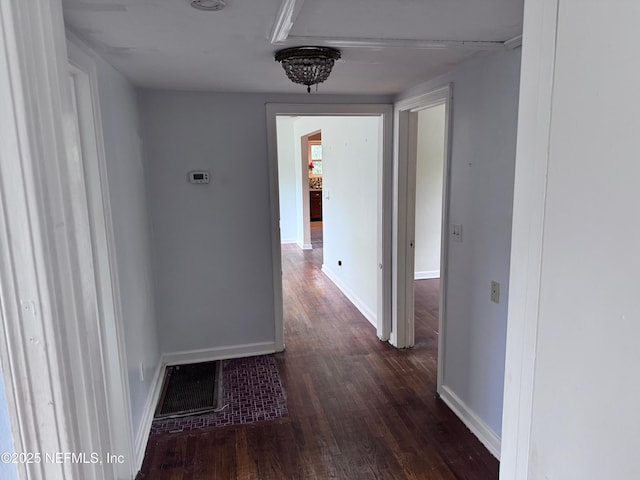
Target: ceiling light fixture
{"x":209,"y":5}
{"x":308,"y":65}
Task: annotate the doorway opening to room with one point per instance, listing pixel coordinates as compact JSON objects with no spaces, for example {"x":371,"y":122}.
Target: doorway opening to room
{"x":342,"y":155}
{"x":333,"y":174}
{"x":312,"y":156}
{"x":423,"y":234}
{"x":428,"y":188}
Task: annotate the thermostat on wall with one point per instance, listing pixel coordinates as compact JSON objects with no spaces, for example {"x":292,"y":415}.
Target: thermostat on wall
{"x":198,"y":177}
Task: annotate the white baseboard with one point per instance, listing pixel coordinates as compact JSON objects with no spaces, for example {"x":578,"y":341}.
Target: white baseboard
{"x":369,"y":314}
{"x":305,"y":246}
{"x":477,"y":426}
{"x":218,"y":353}
{"x":287,"y":241}
{"x":144,"y":430}
{"x":181,"y":358}
{"x":427,"y":274}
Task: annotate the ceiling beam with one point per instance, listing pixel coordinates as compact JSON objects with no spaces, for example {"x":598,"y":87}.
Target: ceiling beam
{"x":287,"y":14}
{"x":377,"y":43}
{"x":289,"y":10}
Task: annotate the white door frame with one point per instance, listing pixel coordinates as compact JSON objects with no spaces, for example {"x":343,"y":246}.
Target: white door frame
{"x":114,"y":359}
{"x":529,"y":203}
{"x":383,"y":328}
{"x":405,"y":207}
{"x":50,"y":351}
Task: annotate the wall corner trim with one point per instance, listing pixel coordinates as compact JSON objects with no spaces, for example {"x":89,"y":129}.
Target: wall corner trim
{"x":142,"y":435}
{"x":477,"y":426}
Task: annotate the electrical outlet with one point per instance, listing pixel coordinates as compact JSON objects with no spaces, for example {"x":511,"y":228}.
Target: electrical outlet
{"x":456,"y":233}
{"x":142,"y":371}
{"x":495,"y":292}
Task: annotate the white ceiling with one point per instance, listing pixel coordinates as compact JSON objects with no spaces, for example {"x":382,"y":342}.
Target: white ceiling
{"x":168,"y":44}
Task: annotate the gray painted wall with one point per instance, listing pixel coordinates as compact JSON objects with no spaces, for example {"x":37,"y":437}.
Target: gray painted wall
{"x":126,"y":177}
{"x":288,"y":181}
{"x":7,"y":470}
{"x":212,"y":243}
{"x":429,"y":171}
{"x":485,"y":107}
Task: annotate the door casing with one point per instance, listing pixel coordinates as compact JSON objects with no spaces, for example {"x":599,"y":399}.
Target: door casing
{"x":403,"y":332}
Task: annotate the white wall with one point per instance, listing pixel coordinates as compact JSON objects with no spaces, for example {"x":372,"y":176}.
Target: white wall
{"x":126,"y":179}
{"x":585,"y":416}
{"x":288,"y":180}
{"x":350,"y":155}
{"x":212,"y":243}
{"x":7,"y":470}
{"x":429,"y":171}
{"x":485,"y":107}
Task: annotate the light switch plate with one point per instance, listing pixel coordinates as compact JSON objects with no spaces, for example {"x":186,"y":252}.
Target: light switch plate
{"x":495,"y":292}
{"x":456,"y":233}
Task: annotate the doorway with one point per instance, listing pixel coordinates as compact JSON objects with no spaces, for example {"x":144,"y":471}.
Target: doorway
{"x":430,"y":133}
{"x":336,"y":161}
{"x":312,"y":157}
{"x":311,"y":175}
{"x":380,"y":207}
{"x":423,"y":166}
{"x":100,"y":353}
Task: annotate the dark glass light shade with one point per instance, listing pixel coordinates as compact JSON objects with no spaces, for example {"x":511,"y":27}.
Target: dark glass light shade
{"x":308,"y":65}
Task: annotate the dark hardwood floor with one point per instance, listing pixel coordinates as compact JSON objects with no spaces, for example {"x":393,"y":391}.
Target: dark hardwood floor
{"x":358,"y":408}
{"x":316,"y":234}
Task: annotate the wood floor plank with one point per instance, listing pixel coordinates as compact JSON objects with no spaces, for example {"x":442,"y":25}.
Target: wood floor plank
{"x":358,"y":408}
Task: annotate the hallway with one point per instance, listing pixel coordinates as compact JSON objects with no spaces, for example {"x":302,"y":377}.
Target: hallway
{"x":358,"y":408}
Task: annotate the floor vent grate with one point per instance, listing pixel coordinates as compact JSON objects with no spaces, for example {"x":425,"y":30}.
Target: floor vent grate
{"x":191,"y":389}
